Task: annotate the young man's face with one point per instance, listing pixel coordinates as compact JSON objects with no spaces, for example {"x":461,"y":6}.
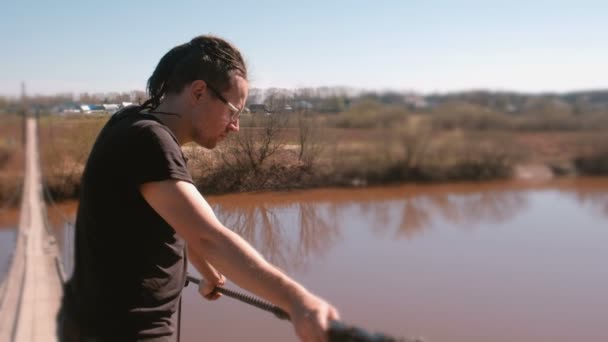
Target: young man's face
{"x":216,"y":119}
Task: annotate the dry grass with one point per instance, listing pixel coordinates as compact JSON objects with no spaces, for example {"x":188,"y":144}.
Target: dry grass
{"x":65,"y":144}
{"x":423,"y":154}
{"x":592,"y":156}
{"x":303,"y":152}
{"x":11,"y":159}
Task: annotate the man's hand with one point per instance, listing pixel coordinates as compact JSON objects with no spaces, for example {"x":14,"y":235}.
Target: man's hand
{"x":206,"y":287}
{"x":211,"y":276}
{"x":311,"y":318}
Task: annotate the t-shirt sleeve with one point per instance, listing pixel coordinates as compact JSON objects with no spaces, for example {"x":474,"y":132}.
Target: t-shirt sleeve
{"x":157,"y":156}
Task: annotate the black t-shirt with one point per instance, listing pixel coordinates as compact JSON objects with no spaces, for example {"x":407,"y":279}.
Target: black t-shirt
{"x":130,"y":265}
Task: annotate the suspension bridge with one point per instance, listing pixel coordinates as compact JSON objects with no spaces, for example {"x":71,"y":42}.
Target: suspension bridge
{"x":30,"y":293}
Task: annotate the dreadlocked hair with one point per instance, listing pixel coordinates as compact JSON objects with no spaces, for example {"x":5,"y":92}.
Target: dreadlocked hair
{"x":207,"y":58}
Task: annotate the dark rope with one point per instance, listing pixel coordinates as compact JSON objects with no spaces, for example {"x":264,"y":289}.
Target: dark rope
{"x":179,"y":320}
{"x":49,"y":197}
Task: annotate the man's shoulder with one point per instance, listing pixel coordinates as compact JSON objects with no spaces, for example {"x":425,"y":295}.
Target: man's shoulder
{"x":148,"y":128}
{"x":132,"y":117}
{"x":138,"y":124}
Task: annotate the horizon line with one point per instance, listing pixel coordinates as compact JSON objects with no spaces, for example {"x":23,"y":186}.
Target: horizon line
{"x":352,"y":89}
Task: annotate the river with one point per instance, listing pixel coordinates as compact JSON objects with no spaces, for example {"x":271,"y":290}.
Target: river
{"x":502,"y":261}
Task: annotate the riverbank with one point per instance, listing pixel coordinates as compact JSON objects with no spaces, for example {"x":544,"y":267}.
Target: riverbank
{"x":273,"y":153}
{"x":451,"y":157}
{"x":11,"y":160}
{"x":280,"y":155}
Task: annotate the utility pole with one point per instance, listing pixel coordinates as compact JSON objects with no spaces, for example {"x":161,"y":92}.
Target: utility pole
{"x":24,"y":111}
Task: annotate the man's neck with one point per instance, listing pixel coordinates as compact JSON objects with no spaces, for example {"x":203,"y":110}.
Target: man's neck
{"x":174,"y":118}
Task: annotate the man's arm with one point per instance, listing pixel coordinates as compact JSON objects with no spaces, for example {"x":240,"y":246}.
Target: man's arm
{"x":185,"y":209}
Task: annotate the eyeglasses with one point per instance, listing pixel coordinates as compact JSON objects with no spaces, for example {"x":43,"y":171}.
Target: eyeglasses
{"x":235,"y":111}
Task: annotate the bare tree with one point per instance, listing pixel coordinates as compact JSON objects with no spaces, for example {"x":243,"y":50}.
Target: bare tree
{"x":254,"y":145}
{"x":415,"y":142}
{"x":277,"y":99}
{"x":309,"y":139}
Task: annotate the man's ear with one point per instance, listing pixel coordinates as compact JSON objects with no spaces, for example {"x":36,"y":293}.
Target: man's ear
{"x":197,"y":90}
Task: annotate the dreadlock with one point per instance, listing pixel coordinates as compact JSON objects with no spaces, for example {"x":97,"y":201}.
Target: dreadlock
{"x":205,"y":57}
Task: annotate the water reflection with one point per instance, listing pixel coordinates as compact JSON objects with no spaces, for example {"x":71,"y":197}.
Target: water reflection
{"x":9,"y":219}
{"x":290,"y":228}
{"x":8,"y":238}
{"x":259,"y":223}
{"x":592,"y":194}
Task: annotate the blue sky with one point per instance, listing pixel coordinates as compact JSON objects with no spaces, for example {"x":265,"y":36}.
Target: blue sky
{"x":423,"y":46}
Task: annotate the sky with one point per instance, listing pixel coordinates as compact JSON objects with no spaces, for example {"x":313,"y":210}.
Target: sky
{"x":419,"y":46}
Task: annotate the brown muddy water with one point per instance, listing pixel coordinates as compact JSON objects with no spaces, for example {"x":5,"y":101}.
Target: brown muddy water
{"x":503,"y":261}
{"x":9,"y":219}
{"x":8,"y":238}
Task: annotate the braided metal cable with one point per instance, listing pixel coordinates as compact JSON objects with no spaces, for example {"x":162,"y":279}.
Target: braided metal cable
{"x":338,"y":331}
{"x":257,"y":302}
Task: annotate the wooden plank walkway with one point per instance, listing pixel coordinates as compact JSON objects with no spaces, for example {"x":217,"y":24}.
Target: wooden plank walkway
{"x":31,"y":292}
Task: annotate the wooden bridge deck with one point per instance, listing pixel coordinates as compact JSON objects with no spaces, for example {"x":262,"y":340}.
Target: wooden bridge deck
{"x":31,"y":292}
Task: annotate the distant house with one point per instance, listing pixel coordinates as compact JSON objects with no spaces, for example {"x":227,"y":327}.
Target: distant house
{"x":66,"y":109}
{"x":511,"y":108}
{"x":415,"y":101}
{"x":92,"y":109}
{"x":259,"y":108}
{"x":302,"y":104}
{"x":111,"y":108}
{"x":70,"y":110}
{"x":85,"y":109}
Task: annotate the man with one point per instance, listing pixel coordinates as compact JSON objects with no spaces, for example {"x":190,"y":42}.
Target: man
{"x":139,"y":209}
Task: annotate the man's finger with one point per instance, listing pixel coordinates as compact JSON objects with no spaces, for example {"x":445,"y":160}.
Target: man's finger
{"x":334,"y":315}
{"x":213,"y":296}
{"x":207,"y":290}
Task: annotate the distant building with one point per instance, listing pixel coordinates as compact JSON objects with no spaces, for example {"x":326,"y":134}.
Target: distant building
{"x":70,"y":110}
{"x":511,"y":108}
{"x":302,"y":104}
{"x":92,"y":109}
{"x":416,"y":102}
{"x":111,"y":108}
{"x":258,"y":108}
